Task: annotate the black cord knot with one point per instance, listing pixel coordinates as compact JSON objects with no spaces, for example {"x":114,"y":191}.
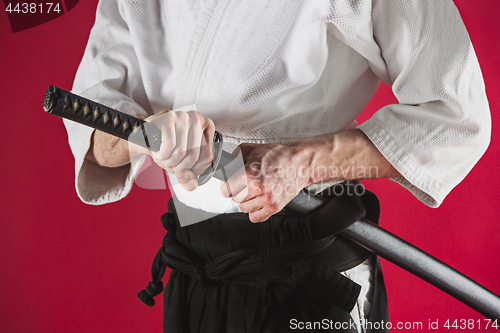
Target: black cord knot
{"x":169,"y":238}
{"x":146,"y":295}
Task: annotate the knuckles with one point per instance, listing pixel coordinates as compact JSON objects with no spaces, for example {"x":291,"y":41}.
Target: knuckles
{"x":170,"y":149}
{"x":186,"y":118}
{"x":169,"y":144}
{"x":179,"y":153}
{"x":192,"y":156}
{"x":267,"y":198}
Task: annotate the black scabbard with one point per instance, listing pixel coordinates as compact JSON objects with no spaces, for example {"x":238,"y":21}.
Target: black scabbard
{"x":371,"y":236}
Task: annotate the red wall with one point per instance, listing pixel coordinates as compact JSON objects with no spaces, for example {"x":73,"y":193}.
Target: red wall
{"x":69,"y":267}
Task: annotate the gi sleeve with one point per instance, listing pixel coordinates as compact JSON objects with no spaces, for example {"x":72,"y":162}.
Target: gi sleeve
{"x":441,"y":126}
{"x":109,"y":73}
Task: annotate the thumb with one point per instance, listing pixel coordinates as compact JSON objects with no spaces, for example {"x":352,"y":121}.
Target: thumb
{"x":187,"y":179}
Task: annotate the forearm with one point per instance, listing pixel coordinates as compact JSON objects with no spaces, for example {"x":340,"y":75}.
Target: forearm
{"x":275,"y":173}
{"x":345,"y":155}
{"x":108,"y":151}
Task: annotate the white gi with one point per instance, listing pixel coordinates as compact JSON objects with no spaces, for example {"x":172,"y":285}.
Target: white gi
{"x":284,"y":70}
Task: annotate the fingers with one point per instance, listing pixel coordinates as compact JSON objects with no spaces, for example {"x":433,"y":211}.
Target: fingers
{"x":242,"y":196}
{"x":208,"y":136}
{"x":175,"y":138}
{"x":261,"y":215}
{"x":249,"y":196}
{"x":234,"y":185}
{"x":257,"y":210}
{"x":205,"y":158}
{"x":205,"y":148}
{"x":169,"y":140}
{"x":184,"y":150}
{"x":255,"y":204}
{"x":187,"y":179}
{"x":266,"y":185}
{"x":152,"y":116}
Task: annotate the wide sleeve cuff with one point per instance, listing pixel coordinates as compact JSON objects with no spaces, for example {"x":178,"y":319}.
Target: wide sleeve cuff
{"x":96,"y":184}
{"x":441,"y":125}
{"x":416,"y":180}
{"x":109,"y":73}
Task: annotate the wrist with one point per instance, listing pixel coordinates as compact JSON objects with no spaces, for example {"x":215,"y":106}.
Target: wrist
{"x":338,"y":156}
{"x":356,"y":157}
{"x":108,"y":151}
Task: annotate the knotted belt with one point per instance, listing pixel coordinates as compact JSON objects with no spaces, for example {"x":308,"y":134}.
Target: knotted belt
{"x":290,"y":264}
{"x":243,"y":266}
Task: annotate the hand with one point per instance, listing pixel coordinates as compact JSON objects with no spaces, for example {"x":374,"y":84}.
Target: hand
{"x":187,"y":145}
{"x":186,"y":148}
{"x":273,"y":175}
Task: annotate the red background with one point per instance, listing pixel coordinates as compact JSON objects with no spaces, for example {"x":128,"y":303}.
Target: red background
{"x":69,"y":267}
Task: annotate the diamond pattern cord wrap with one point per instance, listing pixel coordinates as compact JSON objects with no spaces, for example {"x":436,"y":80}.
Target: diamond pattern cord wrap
{"x":67,"y":105}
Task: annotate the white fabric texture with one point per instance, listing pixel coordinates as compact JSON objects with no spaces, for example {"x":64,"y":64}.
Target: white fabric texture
{"x":286,"y":70}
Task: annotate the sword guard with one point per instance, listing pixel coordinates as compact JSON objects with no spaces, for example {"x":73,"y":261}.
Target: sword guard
{"x":208,"y":174}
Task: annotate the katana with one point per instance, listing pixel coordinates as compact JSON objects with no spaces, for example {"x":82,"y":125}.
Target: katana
{"x":374,"y":238}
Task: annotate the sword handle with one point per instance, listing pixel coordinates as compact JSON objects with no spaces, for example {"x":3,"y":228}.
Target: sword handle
{"x":372,"y":237}
{"x":67,"y":105}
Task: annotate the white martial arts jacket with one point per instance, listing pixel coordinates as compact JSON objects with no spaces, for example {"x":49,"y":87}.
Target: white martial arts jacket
{"x":283,"y":70}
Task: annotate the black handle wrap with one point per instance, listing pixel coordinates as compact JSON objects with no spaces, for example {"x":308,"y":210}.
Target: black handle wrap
{"x":374,"y":238}
{"x":67,"y":105}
